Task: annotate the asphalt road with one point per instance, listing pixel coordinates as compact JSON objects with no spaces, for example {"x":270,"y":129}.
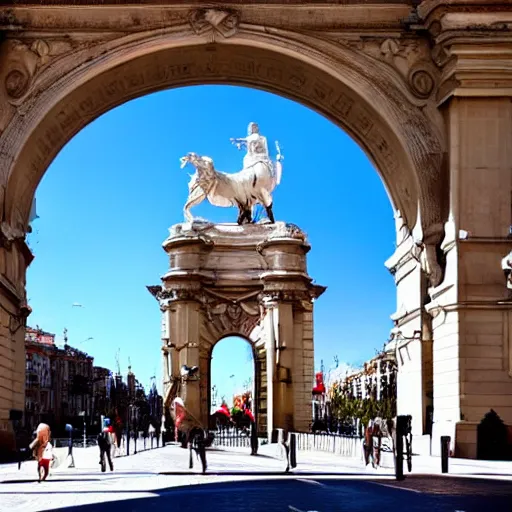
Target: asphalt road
{"x":323,"y":495}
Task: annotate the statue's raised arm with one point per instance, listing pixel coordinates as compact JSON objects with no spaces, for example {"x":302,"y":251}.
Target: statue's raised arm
{"x":239,"y":142}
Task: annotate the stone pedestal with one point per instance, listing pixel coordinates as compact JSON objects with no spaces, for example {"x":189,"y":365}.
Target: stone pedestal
{"x":249,"y":281}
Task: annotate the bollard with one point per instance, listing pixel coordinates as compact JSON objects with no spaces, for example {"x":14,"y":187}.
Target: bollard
{"x":445,"y":453}
{"x":293,"y":449}
{"x":254,"y":439}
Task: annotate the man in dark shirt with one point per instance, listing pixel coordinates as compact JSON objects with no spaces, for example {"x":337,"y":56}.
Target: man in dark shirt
{"x":104,"y":443}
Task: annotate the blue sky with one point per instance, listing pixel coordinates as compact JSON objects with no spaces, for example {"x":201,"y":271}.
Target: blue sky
{"x":108,"y":199}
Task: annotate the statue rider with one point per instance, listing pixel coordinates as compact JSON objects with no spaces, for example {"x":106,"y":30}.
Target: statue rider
{"x":256,"y":146}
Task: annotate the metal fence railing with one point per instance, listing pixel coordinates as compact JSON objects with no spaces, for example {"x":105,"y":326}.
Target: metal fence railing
{"x":137,"y":442}
{"x":346,"y":446}
{"x":231,"y":437}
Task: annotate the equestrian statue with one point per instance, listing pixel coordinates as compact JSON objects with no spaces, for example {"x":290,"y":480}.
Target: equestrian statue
{"x":245,"y":189}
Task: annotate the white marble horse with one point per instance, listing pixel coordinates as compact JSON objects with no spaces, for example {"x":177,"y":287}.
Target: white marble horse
{"x":245,"y":189}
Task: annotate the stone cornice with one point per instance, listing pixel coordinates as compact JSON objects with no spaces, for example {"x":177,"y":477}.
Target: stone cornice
{"x":119,"y":16}
{"x":472,"y":44}
{"x":402,"y":317}
{"x":404,"y":260}
{"x":435,"y":308}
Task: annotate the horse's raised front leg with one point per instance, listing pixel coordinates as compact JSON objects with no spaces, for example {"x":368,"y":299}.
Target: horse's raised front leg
{"x":195,"y":197}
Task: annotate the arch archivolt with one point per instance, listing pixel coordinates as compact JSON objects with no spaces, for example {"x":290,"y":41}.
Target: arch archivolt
{"x":372,"y":88}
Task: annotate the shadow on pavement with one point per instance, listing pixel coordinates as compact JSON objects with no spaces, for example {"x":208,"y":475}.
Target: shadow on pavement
{"x":280,"y":473}
{"x":282,"y":495}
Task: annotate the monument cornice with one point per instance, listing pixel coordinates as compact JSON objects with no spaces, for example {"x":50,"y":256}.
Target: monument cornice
{"x":450,"y":11}
{"x":136,"y":16}
{"x":472,"y":46}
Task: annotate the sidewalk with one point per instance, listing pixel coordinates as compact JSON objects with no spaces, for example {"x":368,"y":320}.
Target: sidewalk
{"x":325,"y":461}
{"x":83,"y":458}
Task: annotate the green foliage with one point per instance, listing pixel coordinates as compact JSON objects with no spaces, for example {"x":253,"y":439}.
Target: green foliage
{"x":345,"y":408}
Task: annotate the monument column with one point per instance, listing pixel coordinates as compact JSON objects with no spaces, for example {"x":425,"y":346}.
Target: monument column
{"x":287,"y":282}
{"x":179,"y":298}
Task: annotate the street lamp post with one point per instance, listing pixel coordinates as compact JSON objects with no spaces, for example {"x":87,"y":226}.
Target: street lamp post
{"x":82,"y":413}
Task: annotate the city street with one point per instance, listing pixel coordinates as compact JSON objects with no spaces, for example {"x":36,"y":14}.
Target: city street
{"x":236,"y":481}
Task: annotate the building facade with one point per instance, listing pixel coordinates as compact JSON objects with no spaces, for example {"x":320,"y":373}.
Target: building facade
{"x":58,"y":386}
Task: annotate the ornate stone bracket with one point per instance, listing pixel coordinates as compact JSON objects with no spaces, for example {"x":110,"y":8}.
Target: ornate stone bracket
{"x":223,"y":22}
{"x":24,"y":59}
{"x":408,"y":55}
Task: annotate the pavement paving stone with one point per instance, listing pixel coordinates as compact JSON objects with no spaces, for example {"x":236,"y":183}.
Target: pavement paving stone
{"x":151,"y":478}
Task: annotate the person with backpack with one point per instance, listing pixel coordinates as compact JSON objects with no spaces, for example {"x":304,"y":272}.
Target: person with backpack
{"x":105,"y":445}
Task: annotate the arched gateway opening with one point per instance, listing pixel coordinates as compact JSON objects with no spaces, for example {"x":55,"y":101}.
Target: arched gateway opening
{"x":48,"y":100}
{"x":232,"y":383}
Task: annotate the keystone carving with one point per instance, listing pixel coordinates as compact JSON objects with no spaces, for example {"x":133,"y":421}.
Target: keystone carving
{"x":224,"y":22}
{"x":227,"y":317}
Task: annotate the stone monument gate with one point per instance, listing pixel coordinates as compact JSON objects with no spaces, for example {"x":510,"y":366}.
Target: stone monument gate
{"x":249,"y":281}
{"x":423,"y":86}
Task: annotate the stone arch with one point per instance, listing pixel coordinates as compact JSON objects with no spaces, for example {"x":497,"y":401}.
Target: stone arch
{"x":364,"y":97}
{"x":256,"y":370}
{"x":248,"y":281}
{"x":238,"y":319}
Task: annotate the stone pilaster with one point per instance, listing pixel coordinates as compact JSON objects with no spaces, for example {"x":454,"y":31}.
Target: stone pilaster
{"x":470,"y":314}
{"x":14,"y":259}
{"x":409,"y":337}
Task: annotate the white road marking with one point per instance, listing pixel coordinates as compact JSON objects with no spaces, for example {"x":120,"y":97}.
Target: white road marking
{"x":313,"y":482}
{"x":397,"y":487}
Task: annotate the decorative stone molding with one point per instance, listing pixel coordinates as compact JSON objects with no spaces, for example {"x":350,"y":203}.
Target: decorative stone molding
{"x":422,"y":81}
{"x":24,"y":58}
{"x":432,"y":239}
{"x":300,"y":296}
{"x":287,"y":230}
{"x":471,"y":46}
{"x":194,"y":64}
{"x":223,"y":22}
{"x":409,"y":56}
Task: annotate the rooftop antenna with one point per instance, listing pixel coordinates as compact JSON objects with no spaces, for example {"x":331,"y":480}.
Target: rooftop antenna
{"x":118,"y":366}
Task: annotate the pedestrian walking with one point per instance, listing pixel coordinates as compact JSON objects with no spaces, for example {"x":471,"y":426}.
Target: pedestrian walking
{"x":44,"y":463}
{"x":42,"y":450}
{"x":105,"y":446}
